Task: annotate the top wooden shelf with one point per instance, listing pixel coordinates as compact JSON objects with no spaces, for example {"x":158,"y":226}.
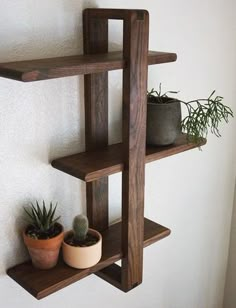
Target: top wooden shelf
{"x":42,"y":69}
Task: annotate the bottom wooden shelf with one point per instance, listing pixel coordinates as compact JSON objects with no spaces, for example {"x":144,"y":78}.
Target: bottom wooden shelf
{"x":41,"y":283}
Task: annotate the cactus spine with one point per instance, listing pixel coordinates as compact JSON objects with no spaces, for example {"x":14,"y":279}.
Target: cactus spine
{"x":80,"y":227}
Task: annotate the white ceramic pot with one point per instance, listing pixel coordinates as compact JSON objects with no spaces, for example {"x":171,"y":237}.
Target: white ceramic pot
{"x":82,"y":257}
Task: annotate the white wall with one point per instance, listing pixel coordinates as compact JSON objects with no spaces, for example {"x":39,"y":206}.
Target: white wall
{"x":191,"y":193}
{"x":230,"y":296}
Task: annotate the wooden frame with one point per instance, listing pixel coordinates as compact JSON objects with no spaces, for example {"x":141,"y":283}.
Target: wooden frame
{"x":135,"y":42}
{"x":124,"y":240}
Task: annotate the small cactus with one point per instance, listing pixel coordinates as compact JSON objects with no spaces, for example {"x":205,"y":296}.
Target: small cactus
{"x":80,"y":228}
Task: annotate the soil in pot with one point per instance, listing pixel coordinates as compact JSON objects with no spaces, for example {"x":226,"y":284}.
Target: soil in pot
{"x":163,"y":121}
{"x":89,"y":241}
{"x":53,"y":232}
{"x":83,"y":254}
{"x":44,"y":251}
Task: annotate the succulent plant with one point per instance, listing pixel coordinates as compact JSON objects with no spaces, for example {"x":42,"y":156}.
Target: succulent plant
{"x":41,"y":219}
{"x":80,"y":227}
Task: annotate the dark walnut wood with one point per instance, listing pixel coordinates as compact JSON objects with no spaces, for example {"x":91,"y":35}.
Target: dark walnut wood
{"x":41,"y":283}
{"x":123,"y":240}
{"x":122,"y":14}
{"x":96,"y":117}
{"x":42,"y":69}
{"x":135,"y":42}
{"x":112,"y":274}
{"x":92,"y":165}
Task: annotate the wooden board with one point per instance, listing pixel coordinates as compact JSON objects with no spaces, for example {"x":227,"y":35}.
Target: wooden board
{"x":42,"y":69}
{"x":135,"y":42}
{"x":41,"y":283}
{"x":90,"y":166}
{"x":96,"y":118}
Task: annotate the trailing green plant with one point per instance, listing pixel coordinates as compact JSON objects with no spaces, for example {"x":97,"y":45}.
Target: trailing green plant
{"x":80,"y":227}
{"x":42,"y":221}
{"x":203,"y":114}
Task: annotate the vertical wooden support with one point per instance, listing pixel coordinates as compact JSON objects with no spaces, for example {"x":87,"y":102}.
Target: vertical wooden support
{"x":135,"y":42}
{"x":134,"y":141}
{"x":96,"y":117}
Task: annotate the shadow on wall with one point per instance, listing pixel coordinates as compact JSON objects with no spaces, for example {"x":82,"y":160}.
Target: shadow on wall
{"x":230,"y":295}
{"x":42,"y":39}
{"x":18,"y":249}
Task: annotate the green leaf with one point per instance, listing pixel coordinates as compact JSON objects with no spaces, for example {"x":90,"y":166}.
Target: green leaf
{"x":42,"y":218}
{"x":39,"y":212}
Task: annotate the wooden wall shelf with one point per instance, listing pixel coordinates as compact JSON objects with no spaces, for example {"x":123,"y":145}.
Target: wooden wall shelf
{"x":42,"y":69}
{"x":93,"y":165}
{"x":126,"y":239}
{"x":41,"y":283}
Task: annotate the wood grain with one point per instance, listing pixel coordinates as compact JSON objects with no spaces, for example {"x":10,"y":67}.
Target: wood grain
{"x":41,"y":69}
{"x":108,"y":13}
{"x":92,"y":165}
{"x":41,"y":283}
{"x":111,"y":274}
{"x":96,"y":117}
{"x":135,"y":42}
{"x":123,"y":240}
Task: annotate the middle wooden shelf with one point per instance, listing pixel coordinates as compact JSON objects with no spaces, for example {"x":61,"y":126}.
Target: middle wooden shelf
{"x":90,"y":166}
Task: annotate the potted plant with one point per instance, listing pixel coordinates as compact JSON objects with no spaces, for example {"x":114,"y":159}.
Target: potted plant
{"x":163,"y":118}
{"x":82,"y":247}
{"x":43,"y":235}
{"x":164,"y":122}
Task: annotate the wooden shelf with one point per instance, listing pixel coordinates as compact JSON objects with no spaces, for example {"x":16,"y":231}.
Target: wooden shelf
{"x":90,"y":166}
{"x":94,"y":166}
{"x":41,"y":69}
{"x":41,"y":283}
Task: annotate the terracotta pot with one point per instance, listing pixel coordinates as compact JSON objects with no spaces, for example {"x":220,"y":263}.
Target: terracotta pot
{"x":44,"y":253}
{"x":82,"y":257}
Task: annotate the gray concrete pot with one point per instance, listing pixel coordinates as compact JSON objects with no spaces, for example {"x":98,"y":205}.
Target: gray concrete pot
{"x":163,"y":121}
